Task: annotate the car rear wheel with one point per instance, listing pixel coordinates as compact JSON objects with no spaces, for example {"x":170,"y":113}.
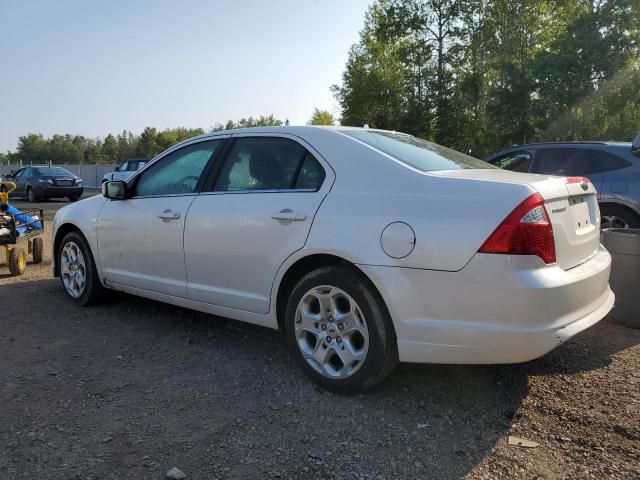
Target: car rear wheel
{"x":78,"y":271}
{"x":339,"y":330}
{"x":74,"y":198}
{"x":31,"y":196}
{"x":612,"y":216}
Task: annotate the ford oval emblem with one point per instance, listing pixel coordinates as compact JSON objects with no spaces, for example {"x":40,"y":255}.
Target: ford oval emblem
{"x":584,"y":186}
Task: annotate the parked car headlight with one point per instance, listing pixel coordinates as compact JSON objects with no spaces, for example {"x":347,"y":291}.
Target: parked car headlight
{"x":78,"y":181}
{"x":48,"y":180}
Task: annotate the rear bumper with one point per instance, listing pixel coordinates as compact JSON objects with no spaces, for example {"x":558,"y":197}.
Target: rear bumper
{"x":498,"y":309}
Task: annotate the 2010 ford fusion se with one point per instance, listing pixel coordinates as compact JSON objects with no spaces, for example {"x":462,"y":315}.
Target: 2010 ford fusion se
{"x":366,"y":247}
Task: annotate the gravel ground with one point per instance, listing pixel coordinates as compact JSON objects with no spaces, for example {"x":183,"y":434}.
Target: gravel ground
{"x":132,"y":388}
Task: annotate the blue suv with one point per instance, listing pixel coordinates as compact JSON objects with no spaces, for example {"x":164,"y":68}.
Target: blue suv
{"x":612,"y":167}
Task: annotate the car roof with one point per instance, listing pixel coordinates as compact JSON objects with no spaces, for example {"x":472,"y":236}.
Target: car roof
{"x":585,"y":142}
{"x":614,"y":144}
{"x":294,"y":130}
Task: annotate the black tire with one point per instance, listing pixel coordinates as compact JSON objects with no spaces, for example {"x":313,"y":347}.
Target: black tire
{"x":37,"y":248}
{"x":382,"y":354}
{"x":621,"y":215}
{"x":93,"y":290}
{"x":17,"y":261}
{"x":74,"y":198}
{"x":31,"y":196}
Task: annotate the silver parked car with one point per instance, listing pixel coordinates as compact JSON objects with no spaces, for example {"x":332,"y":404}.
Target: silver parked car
{"x":366,"y":247}
{"x":125,"y":169}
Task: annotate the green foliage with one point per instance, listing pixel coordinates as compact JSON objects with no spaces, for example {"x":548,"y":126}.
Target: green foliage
{"x":261,"y":121}
{"x":321,"y":117}
{"x":61,"y":149}
{"x":480,"y":75}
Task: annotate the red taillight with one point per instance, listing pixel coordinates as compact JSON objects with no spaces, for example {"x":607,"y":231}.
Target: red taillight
{"x":526,"y":231}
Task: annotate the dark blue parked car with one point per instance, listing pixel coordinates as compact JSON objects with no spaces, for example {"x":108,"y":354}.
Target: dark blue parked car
{"x":613,"y":168}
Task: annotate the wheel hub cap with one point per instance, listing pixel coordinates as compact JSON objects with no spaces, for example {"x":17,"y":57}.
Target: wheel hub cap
{"x":73,"y":269}
{"x":331,"y":332}
{"x":611,"y":221}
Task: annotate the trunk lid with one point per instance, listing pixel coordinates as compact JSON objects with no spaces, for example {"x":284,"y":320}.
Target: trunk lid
{"x":571,"y":204}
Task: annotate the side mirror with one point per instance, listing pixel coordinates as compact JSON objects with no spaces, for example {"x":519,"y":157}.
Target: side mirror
{"x":114,"y":190}
{"x":635,"y":146}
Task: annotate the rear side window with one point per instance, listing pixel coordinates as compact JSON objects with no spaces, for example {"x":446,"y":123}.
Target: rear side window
{"x":515,"y":161}
{"x":311,"y":174}
{"x":577,"y":161}
{"x":601,"y":161}
{"x":264,"y":163}
{"x":415,"y":152}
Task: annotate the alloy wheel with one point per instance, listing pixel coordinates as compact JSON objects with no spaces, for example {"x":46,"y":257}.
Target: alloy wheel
{"x":331,"y":332}
{"x":73,"y":269}
{"x":611,"y":221}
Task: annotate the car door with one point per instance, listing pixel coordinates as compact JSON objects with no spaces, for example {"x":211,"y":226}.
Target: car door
{"x":140,"y":239}
{"x":255,"y":211}
{"x":20,"y":179}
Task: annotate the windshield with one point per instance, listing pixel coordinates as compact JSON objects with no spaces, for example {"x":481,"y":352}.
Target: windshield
{"x":415,"y":152}
{"x":54,"y":171}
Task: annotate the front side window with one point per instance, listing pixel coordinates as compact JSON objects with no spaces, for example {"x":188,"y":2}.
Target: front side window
{"x":415,"y":152}
{"x":177,"y":173}
{"x":515,"y":161}
{"x":263,"y":163}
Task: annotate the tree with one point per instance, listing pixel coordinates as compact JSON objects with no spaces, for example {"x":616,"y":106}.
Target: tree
{"x":147,"y":145}
{"x":321,"y":117}
{"x":480,"y":75}
{"x":110,"y":149}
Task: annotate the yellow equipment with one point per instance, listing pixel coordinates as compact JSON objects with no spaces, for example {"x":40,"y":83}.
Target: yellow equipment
{"x":19,"y":226}
{"x":5,"y":189}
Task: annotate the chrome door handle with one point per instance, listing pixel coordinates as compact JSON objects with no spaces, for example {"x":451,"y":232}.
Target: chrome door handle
{"x":289,"y":215}
{"x":168,"y":215}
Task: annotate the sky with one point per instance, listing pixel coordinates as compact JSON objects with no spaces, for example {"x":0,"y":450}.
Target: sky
{"x":98,"y":67}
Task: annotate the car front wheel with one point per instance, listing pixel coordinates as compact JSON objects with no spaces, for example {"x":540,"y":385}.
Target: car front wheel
{"x":78,"y":271}
{"x":339,"y":330}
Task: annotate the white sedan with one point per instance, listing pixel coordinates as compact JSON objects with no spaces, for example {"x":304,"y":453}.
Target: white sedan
{"x":366,"y":247}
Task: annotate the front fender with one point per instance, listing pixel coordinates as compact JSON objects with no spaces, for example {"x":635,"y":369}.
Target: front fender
{"x":83,"y":217}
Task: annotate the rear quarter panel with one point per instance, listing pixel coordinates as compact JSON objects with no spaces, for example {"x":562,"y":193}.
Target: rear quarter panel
{"x":451,"y":216}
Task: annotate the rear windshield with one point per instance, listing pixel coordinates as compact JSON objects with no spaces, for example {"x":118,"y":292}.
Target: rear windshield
{"x":53,"y":171}
{"x":415,"y":152}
